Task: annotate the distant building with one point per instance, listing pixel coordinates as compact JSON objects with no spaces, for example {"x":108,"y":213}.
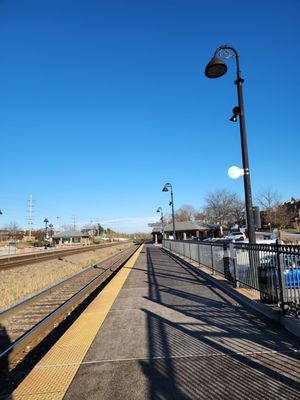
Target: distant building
{"x":186,"y":230}
{"x":293,"y":209}
{"x":285,"y":214}
{"x":89,"y":230}
{"x":71,"y":237}
{"x":6,"y":235}
{"x":157,"y":234}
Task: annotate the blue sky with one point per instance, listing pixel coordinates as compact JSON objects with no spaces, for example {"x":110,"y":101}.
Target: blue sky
{"x":102,"y":102}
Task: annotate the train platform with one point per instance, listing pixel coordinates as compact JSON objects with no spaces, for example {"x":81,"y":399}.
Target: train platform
{"x":160,"y":330}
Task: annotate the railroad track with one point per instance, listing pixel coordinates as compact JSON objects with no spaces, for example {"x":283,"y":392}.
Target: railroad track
{"x":25,"y":259}
{"x":29,"y":322}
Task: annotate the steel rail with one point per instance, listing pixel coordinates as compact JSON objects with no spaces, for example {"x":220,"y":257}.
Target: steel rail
{"x":38,"y":332}
{"x":19,"y":260}
{"x":4,"y":314}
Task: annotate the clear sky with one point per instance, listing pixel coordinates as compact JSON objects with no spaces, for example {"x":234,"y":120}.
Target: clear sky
{"x":102,"y":102}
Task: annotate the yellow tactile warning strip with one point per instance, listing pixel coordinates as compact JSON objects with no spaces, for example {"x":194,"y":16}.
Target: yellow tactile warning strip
{"x":52,"y":376}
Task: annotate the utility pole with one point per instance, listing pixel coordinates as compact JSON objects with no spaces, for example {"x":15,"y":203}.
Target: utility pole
{"x":30,"y":216}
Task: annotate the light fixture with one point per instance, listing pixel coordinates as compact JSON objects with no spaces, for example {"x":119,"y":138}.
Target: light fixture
{"x":236,"y":111}
{"x":235,"y":172}
{"x":215,"y":68}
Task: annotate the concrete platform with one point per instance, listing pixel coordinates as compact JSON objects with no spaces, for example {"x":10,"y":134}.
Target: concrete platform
{"x":160,"y":331}
{"x":170,"y":335}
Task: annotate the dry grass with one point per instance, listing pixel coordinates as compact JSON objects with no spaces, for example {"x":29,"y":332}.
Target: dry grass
{"x":19,"y":283}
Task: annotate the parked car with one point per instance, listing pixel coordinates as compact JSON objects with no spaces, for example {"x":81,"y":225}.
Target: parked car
{"x":212,"y":239}
{"x":200,"y":239}
{"x":195,"y":239}
{"x":291,"y":268}
{"x":235,"y":236}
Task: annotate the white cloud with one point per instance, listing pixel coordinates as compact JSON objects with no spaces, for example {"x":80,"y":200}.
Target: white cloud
{"x":128,"y":225}
{"x":131,"y":224}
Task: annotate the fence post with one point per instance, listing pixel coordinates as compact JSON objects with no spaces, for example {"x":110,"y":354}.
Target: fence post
{"x":227,"y":262}
{"x":199,"y":259}
{"x":280,"y":278}
{"x":212,"y":259}
{"x":232,"y":255}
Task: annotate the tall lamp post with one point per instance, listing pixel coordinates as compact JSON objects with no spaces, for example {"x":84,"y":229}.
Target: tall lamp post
{"x":58,"y":223}
{"x":171,"y":203}
{"x":46,"y":228}
{"x":161,"y":218}
{"x":215,"y":69}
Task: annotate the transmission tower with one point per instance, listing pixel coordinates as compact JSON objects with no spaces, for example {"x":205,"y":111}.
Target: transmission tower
{"x":74,"y":219}
{"x":30,"y":216}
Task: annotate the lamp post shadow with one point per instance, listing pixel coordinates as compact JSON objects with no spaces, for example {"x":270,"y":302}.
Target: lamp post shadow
{"x":4,"y":362}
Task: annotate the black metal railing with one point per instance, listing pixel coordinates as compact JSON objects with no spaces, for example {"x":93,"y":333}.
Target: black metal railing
{"x":272,"y":270}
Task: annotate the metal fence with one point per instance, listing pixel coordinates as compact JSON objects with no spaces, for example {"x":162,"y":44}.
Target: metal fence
{"x":272,"y":270}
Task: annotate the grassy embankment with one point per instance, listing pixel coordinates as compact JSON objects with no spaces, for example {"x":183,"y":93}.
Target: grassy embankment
{"x":19,"y":283}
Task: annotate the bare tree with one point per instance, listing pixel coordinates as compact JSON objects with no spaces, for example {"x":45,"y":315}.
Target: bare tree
{"x":185,"y":213}
{"x":12,"y":228}
{"x":200,"y":216}
{"x":238,"y":212}
{"x":167,"y":219}
{"x":268,"y":199}
{"x":224,"y":208}
{"x":282,"y":217}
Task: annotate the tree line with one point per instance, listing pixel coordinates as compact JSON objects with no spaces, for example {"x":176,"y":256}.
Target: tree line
{"x":221,"y":207}
{"x":225,"y":208}
{"x":13,"y":231}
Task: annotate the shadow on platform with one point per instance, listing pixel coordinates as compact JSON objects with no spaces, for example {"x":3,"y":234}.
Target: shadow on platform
{"x":219,"y":350}
{"x":4,"y":363}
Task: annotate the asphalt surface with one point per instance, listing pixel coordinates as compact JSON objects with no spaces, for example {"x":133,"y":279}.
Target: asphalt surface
{"x":171,"y":334}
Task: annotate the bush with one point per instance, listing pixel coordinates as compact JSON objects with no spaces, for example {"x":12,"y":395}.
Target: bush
{"x":98,"y":241}
{"x":41,"y":243}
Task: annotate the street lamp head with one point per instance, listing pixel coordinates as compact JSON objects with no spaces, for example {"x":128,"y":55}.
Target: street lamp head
{"x":236,"y":111}
{"x":215,"y":68}
{"x":159,"y":210}
{"x":166,"y":187}
{"x":1,"y":212}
